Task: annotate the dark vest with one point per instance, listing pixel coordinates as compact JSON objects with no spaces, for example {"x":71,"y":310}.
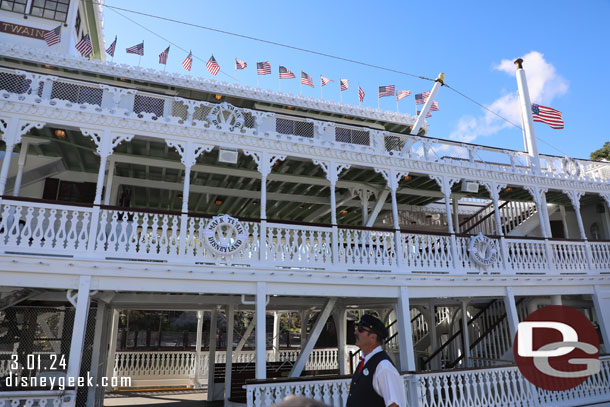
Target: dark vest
{"x":361,"y":392}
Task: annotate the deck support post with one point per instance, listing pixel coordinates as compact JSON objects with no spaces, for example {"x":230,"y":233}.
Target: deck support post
{"x":445,"y":184}
{"x":494,"y":192}
{"x":100,"y":319}
{"x":196,"y":378}
{"x":114,"y":330}
{"x":339,"y":316}
{"x":392,"y":178}
{"x":511,"y":312}
{"x":276,"y":336}
{"x":299,"y":365}
{"x":261,"y":336}
{"x":78,"y":332}
{"x":405,"y":332}
{"x":23,"y":154}
{"x":465,"y":333}
{"x":601,"y":303}
{"x":431,"y":320}
{"x":575,"y":200}
{"x":230,"y":313}
{"x":212,"y":355}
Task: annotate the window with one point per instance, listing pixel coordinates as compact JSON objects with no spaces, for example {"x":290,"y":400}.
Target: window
{"x":18,"y":6}
{"x":51,"y":9}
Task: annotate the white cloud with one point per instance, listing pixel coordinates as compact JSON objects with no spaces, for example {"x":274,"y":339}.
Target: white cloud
{"x":544,"y":86}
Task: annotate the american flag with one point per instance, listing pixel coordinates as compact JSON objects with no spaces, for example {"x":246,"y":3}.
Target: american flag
{"x":324,"y":80}
{"x":434,"y":107}
{"x":84,"y":46}
{"x":263,"y":68}
{"x":306,"y":79}
{"x":285,"y":73}
{"x":360,"y":93}
{"x":344,"y":84}
{"x":239,"y":64}
{"x":53,"y":36}
{"x":137,"y":49}
{"x":427,"y":114}
{"x":188,"y":62}
{"x":386,"y":90}
{"x":421,"y":98}
{"x":547,"y":115}
{"x":163,"y":56}
{"x":111,"y":48}
{"x":401,"y":94}
{"x":212,"y":65}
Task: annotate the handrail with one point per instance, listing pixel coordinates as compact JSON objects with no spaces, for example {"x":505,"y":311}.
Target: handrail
{"x":476,"y":213}
{"x":485,"y":217}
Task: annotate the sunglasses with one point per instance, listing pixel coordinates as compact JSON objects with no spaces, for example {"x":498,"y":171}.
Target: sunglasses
{"x":362,"y":329}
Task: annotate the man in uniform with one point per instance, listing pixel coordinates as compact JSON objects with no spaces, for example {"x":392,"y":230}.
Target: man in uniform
{"x":376,"y":382}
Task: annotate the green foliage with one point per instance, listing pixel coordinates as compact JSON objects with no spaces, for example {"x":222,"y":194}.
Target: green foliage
{"x":603,"y":153}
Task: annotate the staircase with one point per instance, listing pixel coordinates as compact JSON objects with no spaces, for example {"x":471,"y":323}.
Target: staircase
{"x":513,"y":214}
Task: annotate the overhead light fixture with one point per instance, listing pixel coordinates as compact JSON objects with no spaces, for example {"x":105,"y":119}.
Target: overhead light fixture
{"x":60,"y":134}
{"x":218,"y":202}
{"x":408,"y":178}
{"x":507,"y":190}
{"x":290,"y":107}
{"x":344,"y":212}
{"x":254,"y":203}
{"x":217,"y":96}
{"x":48,"y":66}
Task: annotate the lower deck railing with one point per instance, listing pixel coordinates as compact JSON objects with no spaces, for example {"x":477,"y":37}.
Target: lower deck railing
{"x":49,"y":228}
{"x":489,"y":387}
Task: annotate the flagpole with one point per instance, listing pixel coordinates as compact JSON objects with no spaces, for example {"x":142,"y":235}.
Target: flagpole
{"x":526,"y":116}
{"x":397,"y":111}
{"x":321,"y":86}
{"x":340,"y":92}
{"x":235,"y":70}
{"x":378,"y":99}
{"x":359,"y":101}
{"x":257,"y":81}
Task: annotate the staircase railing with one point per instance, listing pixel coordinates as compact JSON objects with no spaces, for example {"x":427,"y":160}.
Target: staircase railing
{"x":512,"y":214}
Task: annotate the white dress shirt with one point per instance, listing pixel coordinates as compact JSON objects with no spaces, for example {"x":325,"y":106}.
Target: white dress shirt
{"x":387,"y":381}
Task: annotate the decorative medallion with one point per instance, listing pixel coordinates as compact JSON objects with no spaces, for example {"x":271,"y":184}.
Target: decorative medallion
{"x":226,"y":116}
{"x":570,"y":167}
{"x":225,"y":235}
{"x":483,"y":250}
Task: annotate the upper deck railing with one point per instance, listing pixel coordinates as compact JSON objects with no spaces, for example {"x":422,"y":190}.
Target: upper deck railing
{"x":115,"y":101}
{"x":36,"y":227}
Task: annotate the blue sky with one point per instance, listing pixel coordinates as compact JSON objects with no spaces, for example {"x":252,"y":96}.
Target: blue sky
{"x":472,"y":42}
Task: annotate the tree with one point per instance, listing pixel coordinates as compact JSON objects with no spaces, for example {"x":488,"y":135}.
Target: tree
{"x":603,"y":153}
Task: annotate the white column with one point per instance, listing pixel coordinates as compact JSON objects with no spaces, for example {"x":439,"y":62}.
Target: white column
{"x":212,"y":354}
{"x":304,"y":322}
{"x":111,"y":165}
{"x":556,"y":300}
{"x":601,"y":302}
{"x":230,"y":313}
{"x":537,"y":196}
{"x":456,"y":213}
{"x":276,"y":336}
{"x":405,"y":333}
{"x":431,"y":319}
{"x":465,"y":333}
{"x":196,"y":383}
{"x":114,"y":329}
{"x":340,"y":318}
{"x":562,"y":210}
{"x":526,"y":117}
{"x":575,"y":200}
{"x":79,"y":330}
{"x":445,"y":184}
{"x":392,"y":179}
{"x":23,"y":153}
{"x":261,"y":332}
{"x":96,"y":353}
{"x":511,"y":312}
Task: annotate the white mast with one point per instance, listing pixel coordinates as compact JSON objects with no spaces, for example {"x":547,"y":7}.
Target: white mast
{"x":526,"y":114}
{"x":438,"y":82}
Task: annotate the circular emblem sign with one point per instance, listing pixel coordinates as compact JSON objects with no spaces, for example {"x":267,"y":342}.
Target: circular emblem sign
{"x":557,"y":348}
{"x":225,"y":235}
{"x":483,"y":250}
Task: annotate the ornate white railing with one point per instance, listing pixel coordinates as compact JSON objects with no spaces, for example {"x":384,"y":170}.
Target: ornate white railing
{"x":61,"y":93}
{"x":489,"y":387}
{"x":48,"y":398}
{"x":43,"y":228}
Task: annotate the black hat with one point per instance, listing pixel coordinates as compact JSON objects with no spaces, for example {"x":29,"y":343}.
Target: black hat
{"x":374,"y":324}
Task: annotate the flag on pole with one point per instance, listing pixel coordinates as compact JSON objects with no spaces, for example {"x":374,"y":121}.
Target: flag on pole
{"x":421,"y":98}
{"x":84,"y":46}
{"x":547,"y":115}
{"x":344,"y":84}
{"x":401,"y":94}
{"x":434,"y":107}
{"x":53,"y":36}
{"x":306,"y":79}
{"x":188,"y":62}
{"x":239,"y":64}
{"x":386,"y":90}
{"x":285,"y":73}
{"x":163,"y":56}
{"x":263,"y":68}
{"x":112,"y":47}
{"x":212,"y":65}
{"x":427,"y":114}
{"x":360,"y":93}
{"x":324,"y":80}
{"x":137,"y":49}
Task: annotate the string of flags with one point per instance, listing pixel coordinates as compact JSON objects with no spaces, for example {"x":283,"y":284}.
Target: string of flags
{"x":85,"y":48}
